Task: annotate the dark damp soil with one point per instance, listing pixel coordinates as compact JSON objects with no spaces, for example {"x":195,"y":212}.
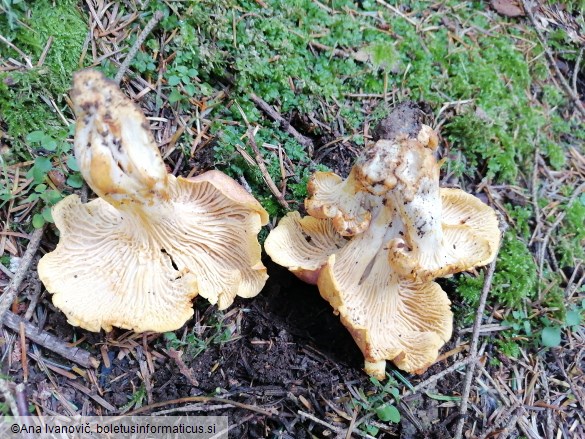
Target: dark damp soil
{"x":284,"y":352}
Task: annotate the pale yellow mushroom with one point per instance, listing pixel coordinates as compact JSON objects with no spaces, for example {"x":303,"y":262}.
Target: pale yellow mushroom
{"x":375,"y":241}
{"x":136,"y":257}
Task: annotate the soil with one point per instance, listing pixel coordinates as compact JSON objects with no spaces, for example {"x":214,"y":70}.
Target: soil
{"x":287,"y":353}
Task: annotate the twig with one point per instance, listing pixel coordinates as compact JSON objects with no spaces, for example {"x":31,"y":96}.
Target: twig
{"x":576,"y":71}
{"x":332,"y":427}
{"x":511,"y":424}
{"x":252,"y":408}
{"x":21,"y":401}
{"x":158,"y":16}
{"x":274,"y":115}
{"x":398,"y":12}
{"x":49,"y":341}
{"x":473,"y":348}
{"x":565,"y":84}
{"x":101,"y":401}
{"x":185,"y":370}
{"x":11,"y":289}
{"x":501,"y":419}
{"x":16,"y":49}
{"x":440,"y":375}
{"x":267,"y":178}
{"x":34,"y":297}
{"x":192,"y":408}
{"x":23,"y":358}
{"x":573,"y":388}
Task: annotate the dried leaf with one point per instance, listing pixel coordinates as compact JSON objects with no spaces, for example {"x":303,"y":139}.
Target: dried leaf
{"x":508,"y":8}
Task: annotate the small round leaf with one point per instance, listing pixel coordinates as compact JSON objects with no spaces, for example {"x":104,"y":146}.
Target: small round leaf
{"x":38,"y":221}
{"x":573,"y":318}
{"x":551,"y":337}
{"x":388,"y":413}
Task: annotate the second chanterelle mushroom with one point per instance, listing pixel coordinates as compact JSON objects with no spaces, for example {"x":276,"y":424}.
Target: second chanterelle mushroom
{"x":374,"y":242}
{"x":135,"y":257}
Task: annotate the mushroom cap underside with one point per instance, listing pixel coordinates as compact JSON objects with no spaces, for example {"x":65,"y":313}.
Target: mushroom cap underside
{"x":469,"y":237}
{"x":389,"y":319}
{"x":114,"y":268}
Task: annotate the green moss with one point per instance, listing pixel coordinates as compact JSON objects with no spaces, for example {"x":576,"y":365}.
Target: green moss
{"x":25,"y":96}
{"x":514,"y":279}
{"x":509,"y":348}
{"x":571,"y":234}
{"x":522,"y":216}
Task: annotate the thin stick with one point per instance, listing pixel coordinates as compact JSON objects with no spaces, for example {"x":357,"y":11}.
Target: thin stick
{"x":23,"y":358}
{"x":252,"y":408}
{"x":330,"y":426}
{"x":267,"y":178}
{"x":576,"y":71}
{"x":440,"y":375}
{"x":21,"y":400}
{"x":565,"y":84}
{"x":16,"y":49}
{"x":158,"y":16}
{"x":285,"y":125}
{"x":11,"y":289}
{"x":398,"y":12}
{"x":473,"y":348}
{"x":49,"y":341}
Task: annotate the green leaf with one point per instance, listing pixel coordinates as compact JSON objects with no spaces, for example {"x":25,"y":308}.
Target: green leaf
{"x":402,"y":379}
{"x":64,"y":147}
{"x":49,"y":144}
{"x":40,"y":168}
{"x":573,"y":318}
{"x":372,"y":430}
{"x":75,"y":181}
{"x":52,"y":197}
{"x":173,"y":80}
{"x":175,"y":96}
{"x":47,"y":215}
{"x":35,"y":136}
{"x":38,"y":221}
{"x":551,"y":337}
{"x":190,"y":89}
{"x":72,"y":163}
{"x":395,"y":392}
{"x":440,"y":397}
{"x":388,"y":413}
{"x":170,"y":336}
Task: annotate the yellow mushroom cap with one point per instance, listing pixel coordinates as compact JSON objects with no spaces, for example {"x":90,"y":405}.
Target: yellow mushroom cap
{"x":400,"y":231}
{"x":344,"y":201}
{"x":390,"y":318}
{"x":303,"y":245}
{"x":466,"y":235}
{"x":137,"y":257}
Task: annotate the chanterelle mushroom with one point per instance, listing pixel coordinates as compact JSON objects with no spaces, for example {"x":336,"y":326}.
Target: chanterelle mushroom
{"x":135,"y":257}
{"x":377,"y":239}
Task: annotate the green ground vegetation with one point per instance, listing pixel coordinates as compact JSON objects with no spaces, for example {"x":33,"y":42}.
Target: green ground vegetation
{"x":310,"y":59}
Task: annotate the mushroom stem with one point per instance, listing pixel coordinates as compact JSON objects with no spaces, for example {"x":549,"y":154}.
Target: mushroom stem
{"x":114,"y":147}
{"x":376,"y":369}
